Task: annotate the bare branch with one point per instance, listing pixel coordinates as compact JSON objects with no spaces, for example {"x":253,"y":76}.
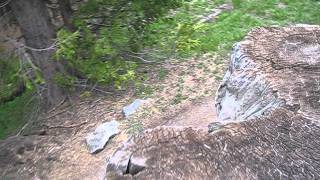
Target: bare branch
{"x":5,"y":3}
{"x":92,"y":88}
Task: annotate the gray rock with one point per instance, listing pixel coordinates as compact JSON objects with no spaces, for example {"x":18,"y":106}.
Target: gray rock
{"x":132,"y":108}
{"x":97,"y":140}
{"x":123,"y":161}
{"x":136,"y":164}
{"x":215,"y":126}
{"x":120,"y":160}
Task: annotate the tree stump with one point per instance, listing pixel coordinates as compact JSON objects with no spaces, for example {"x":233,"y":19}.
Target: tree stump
{"x":268,"y":125}
{"x":272,"y":68}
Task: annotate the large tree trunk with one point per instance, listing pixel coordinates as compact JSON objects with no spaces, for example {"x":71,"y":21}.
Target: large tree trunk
{"x":38,"y":31}
{"x":66,"y":13}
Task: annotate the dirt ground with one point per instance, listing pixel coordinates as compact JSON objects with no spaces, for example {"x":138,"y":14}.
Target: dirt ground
{"x":54,"y":147}
{"x":190,"y":116}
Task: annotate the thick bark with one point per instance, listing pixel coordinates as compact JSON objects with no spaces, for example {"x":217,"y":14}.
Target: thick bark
{"x":34,"y":21}
{"x":66,"y":13}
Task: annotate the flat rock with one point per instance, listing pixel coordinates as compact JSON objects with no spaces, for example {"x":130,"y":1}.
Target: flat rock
{"x":132,"y":108}
{"x":97,"y":140}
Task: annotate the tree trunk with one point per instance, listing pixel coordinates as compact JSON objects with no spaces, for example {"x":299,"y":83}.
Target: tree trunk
{"x":38,"y":31}
{"x":66,"y":13}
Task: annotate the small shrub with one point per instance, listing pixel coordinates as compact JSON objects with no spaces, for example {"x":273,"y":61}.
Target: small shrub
{"x":65,"y":81}
{"x":236,"y":3}
{"x":162,"y":73}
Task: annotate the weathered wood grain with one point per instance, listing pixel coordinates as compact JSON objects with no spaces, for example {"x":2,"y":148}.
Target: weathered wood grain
{"x":268,"y":127}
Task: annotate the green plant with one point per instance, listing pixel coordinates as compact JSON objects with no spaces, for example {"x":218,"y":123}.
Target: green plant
{"x":10,"y":81}
{"x":182,"y":32}
{"x":134,"y":126}
{"x":12,"y":114}
{"x":179,"y":98}
{"x":15,"y":96}
{"x":162,"y":74}
{"x":143,"y":90}
{"x":87,"y":53}
{"x":107,"y":52}
{"x":236,"y":3}
{"x":65,"y":81}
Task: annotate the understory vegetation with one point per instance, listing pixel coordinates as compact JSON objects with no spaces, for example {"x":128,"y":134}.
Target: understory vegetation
{"x":113,"y":40}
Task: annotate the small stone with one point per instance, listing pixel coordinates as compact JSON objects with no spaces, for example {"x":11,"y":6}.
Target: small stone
{"x":97,"y":140}
{"x":132,"y":108}
{"x":214,"y":126}
{"x":136,"y":165}
{"x":120,"y":160}
{"x":51,"y":158}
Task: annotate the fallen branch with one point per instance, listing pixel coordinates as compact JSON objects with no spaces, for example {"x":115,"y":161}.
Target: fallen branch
{"x":92,"y":88}
{"x":65,"y":126}
{"x":3,"y":4}
{"x":57,"y":106}
{"x":58,"y":113}
{"x":143,"y":60}
{"x":23,"y":128}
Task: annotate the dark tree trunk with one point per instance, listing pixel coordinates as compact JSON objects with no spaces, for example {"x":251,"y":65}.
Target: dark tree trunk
{"x":66,"y":13}
{"x":38,"y":31}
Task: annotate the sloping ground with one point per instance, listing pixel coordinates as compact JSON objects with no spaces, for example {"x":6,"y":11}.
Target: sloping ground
{"x":54,"y":147}
{"x":268,"y":108}
{"x":72,"y":158}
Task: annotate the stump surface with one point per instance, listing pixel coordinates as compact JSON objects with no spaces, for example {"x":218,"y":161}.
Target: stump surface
{"x":269,"y":109}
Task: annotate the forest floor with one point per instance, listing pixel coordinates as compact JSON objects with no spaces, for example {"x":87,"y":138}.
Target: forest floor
{"x":179,"y":93}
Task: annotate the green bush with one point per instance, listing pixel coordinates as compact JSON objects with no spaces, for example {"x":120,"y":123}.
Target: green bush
{"x":236,"y":3}
{"x":13,"y":114}
{"x":110,"y":34}
{"x":10,"y":81}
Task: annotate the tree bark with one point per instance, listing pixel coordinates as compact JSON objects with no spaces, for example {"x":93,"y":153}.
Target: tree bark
{"x":38,"y":31}
{"x":66,"y":13}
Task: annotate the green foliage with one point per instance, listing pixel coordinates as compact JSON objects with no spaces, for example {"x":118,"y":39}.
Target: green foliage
{"x":185,"y":39}
{"x":85,"y":94}
{"x":236,"y":3}
{"x":143,"y":90}
{"x":162,"y":73}
{"x":14,"y":98}
{"x":133,"y":126}
{"x":178,"y":99}
{"x":182,"y":32}
{"x":67,"y":44}
{"x":9,"y":78}
{"x":110,"y":33}
{"x":94,"y":57}
{"x":12,"y":114}
{"x":65,"y":81}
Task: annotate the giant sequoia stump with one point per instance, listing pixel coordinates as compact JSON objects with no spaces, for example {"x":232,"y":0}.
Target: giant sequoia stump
{"x":269,"y":111}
